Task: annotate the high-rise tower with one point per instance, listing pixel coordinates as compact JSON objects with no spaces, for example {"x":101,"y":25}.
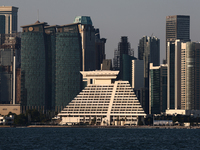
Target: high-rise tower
{"x":87,"y":32}
{"x":124,"y":47}
{"x":157,"y":89}
{"x":174,"y":75}
{"x":100,"y":49}
{"x":177,"y":27}
{"x":68,"y":64}
{"x":190,"y":76}
{"x":149,"y":51}
{"x":33,"y":66}
{"x":8,"y":19}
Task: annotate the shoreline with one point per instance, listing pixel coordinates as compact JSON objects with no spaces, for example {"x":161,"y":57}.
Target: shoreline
{"x":97,"y":126}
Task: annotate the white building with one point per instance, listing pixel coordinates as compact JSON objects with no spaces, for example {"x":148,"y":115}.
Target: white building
{"x":103,"y":102}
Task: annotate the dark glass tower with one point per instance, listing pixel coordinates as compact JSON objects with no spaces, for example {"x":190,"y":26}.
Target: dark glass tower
{"x":51,"y":67}
{"x":149,"y":51}
{"x":171,"y":75}
{"x":157,"y":89}
{"x":123,"y":48}
{"x":177,"y":27}
{"x":68,"y":64}
{"x":100,"y":49}
{"x":33,"y":67}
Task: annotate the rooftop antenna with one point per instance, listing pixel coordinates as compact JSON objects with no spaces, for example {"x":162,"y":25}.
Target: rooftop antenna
{"x":38,"y":15}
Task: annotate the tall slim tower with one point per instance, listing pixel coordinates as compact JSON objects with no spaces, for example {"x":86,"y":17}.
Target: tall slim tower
{"x":33,"y":67}
{"x":174,"y":75}
{"x":8,"y":19}
{"x":68,"y":64}
{"x":124,"y":47}
{"x":177,"y":27}
{"x":100,"y":49}
{"x":157,"y":89}
{"x":190,"y":76}
{"x":149,"y":51}
{"x":87,"y":32}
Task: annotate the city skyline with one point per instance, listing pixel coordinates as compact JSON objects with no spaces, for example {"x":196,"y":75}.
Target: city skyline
{"x":132,"y":19}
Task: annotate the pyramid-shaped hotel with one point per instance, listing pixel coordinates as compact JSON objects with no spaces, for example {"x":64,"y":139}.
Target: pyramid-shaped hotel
{"x":103,"y":102}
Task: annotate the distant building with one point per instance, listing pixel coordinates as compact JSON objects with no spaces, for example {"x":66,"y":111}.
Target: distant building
{"x":50,"y":66}
{"x":107,"y":103}
{"x":157,"y":89}
{"x":149,"y":52}
{"x":137,"y":74}
{"x":10,"y":59}
{"x":107,"y":64}
{"x":99,"y":49}
{"x":8,"y":19}
{"x":33,"y":67}
{"x":127,"y":67}
{"x":177,"y":27}
{"x":87,"y":33}
{"x":14,"y":108}
{"x":68,"y":65}
{"x":174,"y":75}
{"x":190,"y":76}
{"x":124,"y":47}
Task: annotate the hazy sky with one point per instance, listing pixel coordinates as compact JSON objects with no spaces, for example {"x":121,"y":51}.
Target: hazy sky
{"x":114,"y":18}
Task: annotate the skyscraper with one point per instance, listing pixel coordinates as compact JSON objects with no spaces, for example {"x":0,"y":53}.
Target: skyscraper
{"x":174,"y":75}
{"x":157,"y":89}
{"x":50,"y":42}
{"x":50,"y":65}
{"x":10,"y":47}
{"x":177,"y":27}
{"x":87,"y":33}
{"x":190,"y":76}
{"x":33,"y":67}
{"x":68,"y":64}
{"x":8,"y":19}
{"x":149,"y":51}
{"x":99,"y":49}
{"x":127,"y":67}
{"x":124,"y":47}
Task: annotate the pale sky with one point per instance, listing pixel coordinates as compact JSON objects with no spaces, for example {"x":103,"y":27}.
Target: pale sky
{"x":114,"y":18}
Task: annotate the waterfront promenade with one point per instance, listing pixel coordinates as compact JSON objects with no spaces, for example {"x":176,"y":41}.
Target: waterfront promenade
{"x":97,"y":126}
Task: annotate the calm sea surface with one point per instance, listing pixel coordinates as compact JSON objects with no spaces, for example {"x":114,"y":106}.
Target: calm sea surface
{"x":98,"y":138}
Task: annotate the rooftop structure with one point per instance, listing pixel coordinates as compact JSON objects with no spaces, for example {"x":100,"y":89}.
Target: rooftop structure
{"x":83,"y":20}
{"x":87,"y":32}
{"x":103,"y":102}
{"x":8,"y":19}
{"x":177,"y":27}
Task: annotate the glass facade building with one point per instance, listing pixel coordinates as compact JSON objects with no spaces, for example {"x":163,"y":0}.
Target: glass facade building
{"x":177,"y":27}
{"x":50,"y":32}
{"x":68,"y":65}
{"x":8,"y":19}
{"x":171,"y":75}
{"x":190,"y":76}
{"x":87,"y":33}
{"x":127,"y":68}
{"x":149,"y":51}
{"x":124,"y":47}
{"x":33,"y":67}
{"x":158,"y":89}
{"x":50,"y":66}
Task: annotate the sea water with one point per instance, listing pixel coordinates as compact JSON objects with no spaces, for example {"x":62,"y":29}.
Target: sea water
{"x":98,"y":139}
